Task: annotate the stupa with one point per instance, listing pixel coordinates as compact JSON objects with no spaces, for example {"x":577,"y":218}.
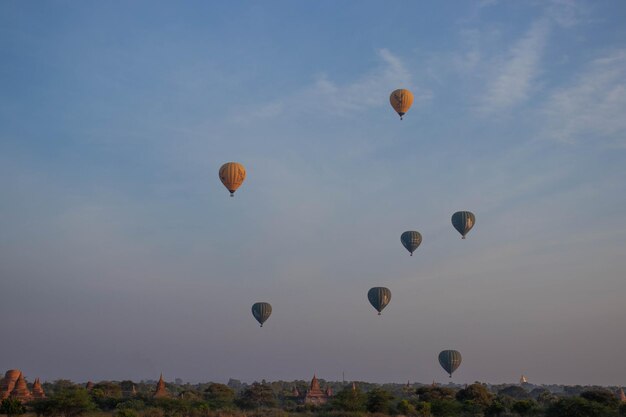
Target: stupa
{"x":315,"y":395}
{"x":20,"y":391}
{"x":8,"y":383}
{"x":38,"y":390}
{"x":161,"y":391}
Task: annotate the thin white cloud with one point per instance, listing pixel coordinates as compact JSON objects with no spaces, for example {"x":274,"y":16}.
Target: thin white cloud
{"x":567,"y":13}
{"x":515,"y":74}
{"x":324,"y":95}
{"x":593,"y":106}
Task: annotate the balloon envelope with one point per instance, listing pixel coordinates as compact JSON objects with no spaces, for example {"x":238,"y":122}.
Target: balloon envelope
{"x":450,"y":360}
{"x":463,"y":221}
{"x":401,"y":101}
{"x":411,"y":240}
{"x":261,"y":312}
{"x":379,"y":297}
{"x":232,"y":175}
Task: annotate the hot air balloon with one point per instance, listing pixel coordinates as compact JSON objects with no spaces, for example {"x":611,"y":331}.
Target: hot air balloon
{"x":261,"y":312}
{"x":232,"y":175}
{"x":379,"y":297}
{"x":450,"y":360}
{"x":463,"y":221}
{"x":401,"y":101}
{"x":411,"y":240}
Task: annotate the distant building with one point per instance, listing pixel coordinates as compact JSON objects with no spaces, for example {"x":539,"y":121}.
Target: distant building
{"x":14,"y":385}
{"x":38,"y":393}
{"x":20,"y":390}
{"x":161,"y":391}
{"x":8,"y":383}
{"x":523,"y":380}
{"x":314,"y":395}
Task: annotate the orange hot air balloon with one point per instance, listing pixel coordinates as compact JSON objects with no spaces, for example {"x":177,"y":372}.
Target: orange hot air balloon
{"x":401,"y":101}
{"x":232,"y":175}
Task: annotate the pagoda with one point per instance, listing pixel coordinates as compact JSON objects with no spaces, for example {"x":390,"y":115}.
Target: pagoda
{"x":620,"y":395}
{"x":20,"y":391}
{"x":161,"y":391}
{"x":90,"y":385}
{"x":315,"y":395}
{"x":8,"y":383}
{"x":38,"y":393}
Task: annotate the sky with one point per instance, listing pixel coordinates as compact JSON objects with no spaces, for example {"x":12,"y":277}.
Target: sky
{"x":122,"y":255}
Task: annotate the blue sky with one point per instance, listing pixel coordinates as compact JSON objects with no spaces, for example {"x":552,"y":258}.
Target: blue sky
{"x":122,"y":256}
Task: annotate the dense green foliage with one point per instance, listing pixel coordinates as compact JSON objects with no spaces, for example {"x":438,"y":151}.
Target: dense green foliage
{"x":349,"y":399}
{"x":219,"y":396}
{"x":257,"y":396}
{"x":279,"y":399}
{"x":11,"y":407}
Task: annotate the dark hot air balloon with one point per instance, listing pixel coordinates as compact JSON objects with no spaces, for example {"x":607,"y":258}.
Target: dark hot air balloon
{"x":379,"y":297}
{"x":261,"y":312}
{"x":463,"y":221}
{"x":450,"y":360}
{"x":411,"y":240}
{"x":232,"y":175}
{"x":401,"y":101}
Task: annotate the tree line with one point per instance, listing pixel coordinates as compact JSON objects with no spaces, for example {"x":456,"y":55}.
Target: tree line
{"x":264,"y":400}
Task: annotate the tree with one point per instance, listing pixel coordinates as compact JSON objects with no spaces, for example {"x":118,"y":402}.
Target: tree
{"x":349,"y":399}
{"x":257,"y":396}
{"x":546,"y":398}
{"x":422,"y":409}
{"x":71,"y":402}
{"x":429,"y":394}
{"x":515,"y":391}
{"x":171,"y":406}
{"x":578,"y":407}
{"x":406,"y":408}
{"x":601,"y":396}
{"x":41,"y":407}
{"x":525,"y":407}
{"x":477,"y":394}
{"x":12,"y":407}
{"x":378,"y":401}
{"x":446,"y":408}
{"x":127,"y":386}
{"x":219,"y":396}
{"x":126,"y":412}
{"x":496,"y":408}
{"x":107,"y":389}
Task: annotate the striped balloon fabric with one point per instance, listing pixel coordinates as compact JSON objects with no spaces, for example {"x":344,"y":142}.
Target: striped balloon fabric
{"x":463,"y":221}
{"x":411,"y":240}
{"x":261,"y":312}
{"x":379,"y":297}
{"x":232,"y":175}
{"x":450,"y":360}
{"x":401,"y":100}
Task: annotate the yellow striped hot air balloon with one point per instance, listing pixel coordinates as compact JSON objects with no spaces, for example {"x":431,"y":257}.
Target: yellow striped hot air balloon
{"x":401,"y":101}
{"x":232,"y":175}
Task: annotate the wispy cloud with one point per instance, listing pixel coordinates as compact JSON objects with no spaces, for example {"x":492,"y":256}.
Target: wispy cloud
{"x":367,"y":91}
{"x":567,"y":13}
{"x":514,"y":74}
{"x":593,"y":106}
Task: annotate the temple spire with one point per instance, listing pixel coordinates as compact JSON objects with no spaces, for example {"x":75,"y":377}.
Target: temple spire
{"x":161,"y":391}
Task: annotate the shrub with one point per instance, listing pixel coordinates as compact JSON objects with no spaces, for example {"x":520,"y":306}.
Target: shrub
{"x":125,"y":412}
